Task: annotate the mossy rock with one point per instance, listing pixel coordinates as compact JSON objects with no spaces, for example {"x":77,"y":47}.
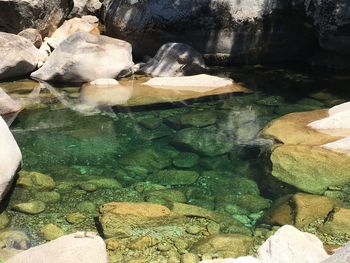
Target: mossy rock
{"x":196,"y":119}
{"x":174,"y":177}
{"x":252,"y":203}
{"x":185,"y":160}
{"x":35,"y":180}
{"x":51,"y":232}
{"x":32,"y":208}
{"x":165,"y":196}
{"x":48,"y":197}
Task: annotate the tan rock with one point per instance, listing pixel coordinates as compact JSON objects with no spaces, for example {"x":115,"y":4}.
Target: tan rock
{"x":51,"y":232}
{"x":292,"y":129}
{"x":35,"y":180}
{"x":308,"y":208}
{"x":224,"y":245}
{"x":338,"y":223}
{"x":193,"y":211}
{"x":280,"y":212}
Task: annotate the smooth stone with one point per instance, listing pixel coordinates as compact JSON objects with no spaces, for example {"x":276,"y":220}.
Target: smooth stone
{"x":339,"y":108}
{"x":11,"y":238}
{"x":174,"y":177}
{"x":174,"y":59}
{"x":185,"y":160}
{"x":189,"y":258}
{"x":106,"y":183}
{"x":88,"y":187}
{"x":7,"y":104}
{"x":198,"y":83}
{"x":10,"y":158}
{"x":342,"y":145}
{"x":114,"y":57}
{"x":4,"y":220}
{"x":252,"y":203}
{"x":67,"y":249}
{"x":75,"y":218}
{"x":48,"y":197}
{"x":203,"y":141}
{"x":224,"y":245}
{"x":289,"y":244}
{"x":87,"y":206}
{"x":35,"y":180}
{"x":165,"y":196}
{"x":193,"y":211}
{"x":51,"y":232}
{"x":32,"y":208}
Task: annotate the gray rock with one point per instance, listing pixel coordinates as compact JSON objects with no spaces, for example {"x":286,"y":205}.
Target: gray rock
{"x":342,"y":255}
{"x":33,"y":35}
{"x":17,"y":15}
{"x":10,"y":158}
{"x":174,"y":60}
{"x":19,"y":56}
{"x":85,"y":57}
{"x":224,"y":31}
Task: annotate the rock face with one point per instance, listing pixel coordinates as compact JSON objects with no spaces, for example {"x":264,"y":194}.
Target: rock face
{"x":223,"y":31}
{"x":68,"y":249}
{"x":289,"y":244}
{"x":173,"y":60}
{"x":332,"y":21}
{"x":16,"y":15}
{"x":19,"y":56}
{"x":10,"y":158}
{"x":85,"y":57}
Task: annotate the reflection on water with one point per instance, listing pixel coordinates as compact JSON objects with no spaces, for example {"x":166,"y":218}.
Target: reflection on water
{"x":205,"y":153}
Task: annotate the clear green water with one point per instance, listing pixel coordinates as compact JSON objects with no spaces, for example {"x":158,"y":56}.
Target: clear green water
{"x":132,"y":146}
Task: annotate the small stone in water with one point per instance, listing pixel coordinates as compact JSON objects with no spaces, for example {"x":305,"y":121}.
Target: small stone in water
{"x":48,"y":197}
{"x":88,"y":187}
{"x":34,"y":207}
{"x":193,"y":229}
{"x":75,"y":218}
{"x":164,"y":247}
{"x":87,"y":207}
{"x":51,"y":232}
{"x":213,"y":228}
{"x":186,"y":160}
{"x":189,"y":258}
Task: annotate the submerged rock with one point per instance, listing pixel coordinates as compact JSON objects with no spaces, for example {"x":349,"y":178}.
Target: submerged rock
{"x":174,"y":60}
{"x":35,"y":180}
{"x":174,"y":177}
{"x":51,"y":232}
{"x":32,"y":208}
{"x":11,"y":238}
{"x":289,"y":244}
{"x":196,"y":119}
{"x":224,"y":245}
{"x":68,"y":249}
{"x":10,"y":158}
{"x":45,"y":16}
{"x":205,"y":141}
{"x":19,"y":56}
{"x":80,"y":51}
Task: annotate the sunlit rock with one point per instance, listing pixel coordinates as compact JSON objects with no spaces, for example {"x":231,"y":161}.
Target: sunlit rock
{"x":85,"y":7}
{"x":31,"y":208}
{"x":86,"y":24}
{"x":69,"y":249}
{"x":341,"y":255}
{"x":19,"y":56}
{"x":10,"y":158}
{"x":33,"y":35}
{"x":289,"y":244}
{"x":174,"y":59}
{"x":85,"y":57}
{"x":337,"y":223}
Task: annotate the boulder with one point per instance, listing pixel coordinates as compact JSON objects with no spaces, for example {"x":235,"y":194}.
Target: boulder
{"x":7,"y":104}
{"x":85,"y":7}
{"x":341,"y":255}
{"x":174,"y":60}
{"x":19,"y":55}
{"x":10,"y":158}
{"x":300,"y":166}
{"x":35,"y":180}
{"x":33,"y":35}
{"x":205,"y":141}
{"x":84,"y":57}
{"x":337,"y":223}
{"x":86,"y":24}
{"x":224,"y":31}
{"x":45,"y":16}
{"x":66,"y":249}
{"x":289,"y":244}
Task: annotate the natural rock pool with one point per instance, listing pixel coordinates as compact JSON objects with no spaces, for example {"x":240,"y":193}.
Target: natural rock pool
{"x":205,"y":152}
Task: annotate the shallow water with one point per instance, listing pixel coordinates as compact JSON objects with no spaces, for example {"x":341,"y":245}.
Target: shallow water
{"x":118,"y":150}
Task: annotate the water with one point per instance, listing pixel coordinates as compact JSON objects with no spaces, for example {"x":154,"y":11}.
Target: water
{"x":205,"y":152}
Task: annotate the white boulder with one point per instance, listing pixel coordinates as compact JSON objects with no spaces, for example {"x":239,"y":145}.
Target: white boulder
{"x":18,"y":56}
{"x":7,"y":104}
{"x":66,"y":249}
{"x":342,"y":255}
{"x":10,"y":158}
{"x":289,"y":244}
{"x":84,"y":57}
{"x":339,"y":108}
